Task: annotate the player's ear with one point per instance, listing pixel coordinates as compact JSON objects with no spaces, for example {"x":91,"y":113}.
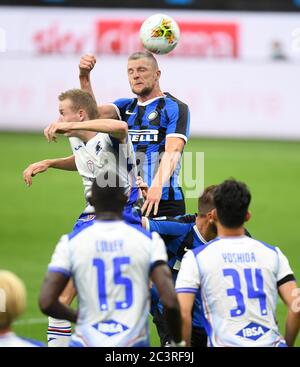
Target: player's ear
{"x":82,"y":115}
{"x":158,"y":74}
{"x":214,"y":215}
{"x":248,"y":216}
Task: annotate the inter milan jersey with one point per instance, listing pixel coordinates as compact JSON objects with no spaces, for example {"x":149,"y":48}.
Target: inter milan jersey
{"x":110,"y":263}
{"x":179,"y":235}
{"x":149,"y":124}
{"x":237,"y":278}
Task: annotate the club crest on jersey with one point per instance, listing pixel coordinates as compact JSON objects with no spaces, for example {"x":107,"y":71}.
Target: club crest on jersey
{"x":90,"y":166}
{"x":98,"y":147}
{"x":253,"y":331}
{"x":143,"y":135}
{"x":152,"y":115}
{"x":110,"y":327}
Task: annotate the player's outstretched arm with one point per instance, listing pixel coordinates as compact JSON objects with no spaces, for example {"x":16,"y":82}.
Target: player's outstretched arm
{"x":172,"y":154}
{"x":162,"y":277}
{"x":290,"y":295}
{"x":115,"y":128}
{"x":33,"y":169}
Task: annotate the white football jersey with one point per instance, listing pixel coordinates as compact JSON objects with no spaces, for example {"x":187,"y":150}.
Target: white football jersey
{"x":103,"y":152}
{"x":10,"y":339}
{"x":237,"y":278}
{"x":110,"y":263}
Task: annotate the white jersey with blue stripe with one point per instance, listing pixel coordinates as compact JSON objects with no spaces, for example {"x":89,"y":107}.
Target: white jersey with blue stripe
{"x":110,"y":263}
{"x":103,"y":152}
{"x":10,"y":339}
{"x":237,"y":278}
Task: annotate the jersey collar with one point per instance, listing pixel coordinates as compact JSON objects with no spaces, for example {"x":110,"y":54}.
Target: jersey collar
{"x":199,"y":234}
{"x":150,"y":101}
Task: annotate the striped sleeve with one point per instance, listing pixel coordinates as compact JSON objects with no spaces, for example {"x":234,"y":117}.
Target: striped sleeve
{"x":179,"y":120}
{"x":121,"y":106}
{"x":188,"y":280}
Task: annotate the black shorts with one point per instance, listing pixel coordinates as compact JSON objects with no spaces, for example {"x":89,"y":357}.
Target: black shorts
{"x":198,"y":337}
{"x":170,"y":208}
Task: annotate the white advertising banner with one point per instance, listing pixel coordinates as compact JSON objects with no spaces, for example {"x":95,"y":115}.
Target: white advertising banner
{"x":226,"y":99}
{"x":222,"y":66}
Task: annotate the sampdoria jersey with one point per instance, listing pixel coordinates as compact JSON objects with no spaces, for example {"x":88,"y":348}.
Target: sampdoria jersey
{"x":10,"y":339}
{"x":103,"y":152}
{"x":149,"y":124}
{"x":110,"y":263}
{"x":238,"y":279}
{"x":180,"y":235}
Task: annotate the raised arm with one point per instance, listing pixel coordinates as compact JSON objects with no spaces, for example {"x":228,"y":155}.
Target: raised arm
{"x":67,"y":164}
{"x":86,"y":65}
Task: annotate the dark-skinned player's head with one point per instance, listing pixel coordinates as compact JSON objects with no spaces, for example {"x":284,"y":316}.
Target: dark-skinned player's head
{"x":232,"y":199}
{"x":108,"y":193}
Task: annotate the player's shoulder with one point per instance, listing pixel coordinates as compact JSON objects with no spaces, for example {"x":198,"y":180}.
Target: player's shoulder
{"x":121,"y":102}
{"x":79,"y":230}
{"x":170,"y":99}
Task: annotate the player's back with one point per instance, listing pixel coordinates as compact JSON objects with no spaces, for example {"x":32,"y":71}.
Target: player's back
{"x":10,"y":339}
{"x":238,"y":280}
{"x":110,"y":263}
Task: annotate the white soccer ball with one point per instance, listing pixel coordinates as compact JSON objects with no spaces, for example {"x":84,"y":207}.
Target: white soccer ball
{"x":159,"y":34}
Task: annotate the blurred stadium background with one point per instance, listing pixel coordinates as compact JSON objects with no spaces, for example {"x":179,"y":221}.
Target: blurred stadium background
{"x":237,"y":66}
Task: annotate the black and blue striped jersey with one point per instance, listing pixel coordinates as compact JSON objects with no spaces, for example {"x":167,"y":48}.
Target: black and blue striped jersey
{"x":180,"y":235}
{"x":149,"y":124}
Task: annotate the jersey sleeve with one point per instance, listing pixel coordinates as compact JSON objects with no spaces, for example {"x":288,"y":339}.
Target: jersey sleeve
{"x":121,"y":106}
{"x":188,"y":280}
{"x":284,"y":268}
{"x":60,"y":261}
{"x":158,"y":250}
{"x":179,"y":121}
{"x":167,"y":226}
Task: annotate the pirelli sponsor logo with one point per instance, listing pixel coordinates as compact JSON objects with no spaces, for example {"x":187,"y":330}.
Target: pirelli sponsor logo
{"x":137,"y":136}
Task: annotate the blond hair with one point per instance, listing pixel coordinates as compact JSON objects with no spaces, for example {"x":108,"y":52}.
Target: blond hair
{"x":12,"y":298}
{"x":81,"y":100}
{"x":144,"y":55}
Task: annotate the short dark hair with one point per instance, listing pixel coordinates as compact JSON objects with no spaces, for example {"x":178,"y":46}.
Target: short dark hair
{"x":206,"y":200}
{"x":108,"y":193}
{"x":232,"y":199}
{"x":81,"y":99}
{"x":144,"y":55}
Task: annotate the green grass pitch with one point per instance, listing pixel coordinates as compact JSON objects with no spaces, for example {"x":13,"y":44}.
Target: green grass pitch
{"x":33,"y":219}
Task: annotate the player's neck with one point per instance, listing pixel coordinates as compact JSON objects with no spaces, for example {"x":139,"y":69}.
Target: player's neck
{"x":109,"y":216}
{"x":85,"y":136}
{"x":156,"y":92}
{"x":230,"y":232}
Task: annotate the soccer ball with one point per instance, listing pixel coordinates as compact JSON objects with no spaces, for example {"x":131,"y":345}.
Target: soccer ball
{"x":159,"y":34}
